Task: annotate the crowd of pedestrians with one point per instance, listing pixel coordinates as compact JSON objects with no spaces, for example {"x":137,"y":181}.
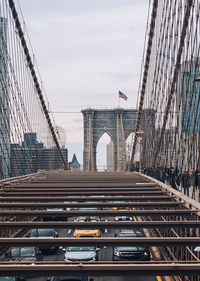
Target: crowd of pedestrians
{"x":179,"y":180}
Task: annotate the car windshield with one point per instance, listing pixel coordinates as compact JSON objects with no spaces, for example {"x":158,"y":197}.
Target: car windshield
{"x":88,"y":209}
{"x":136,"y":234}
{"x":42,"y":233}
{"x":80,"y":249}
{"x":87,"y":228}
{"x":23,"y":252}
{"x":54,"y":209}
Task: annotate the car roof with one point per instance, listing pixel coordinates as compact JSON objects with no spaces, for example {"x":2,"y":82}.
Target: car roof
{"x":130,"y":232}
{"x":43,"y":230}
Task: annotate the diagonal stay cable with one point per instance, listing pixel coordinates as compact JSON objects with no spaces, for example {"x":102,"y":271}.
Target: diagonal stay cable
{"x":174,"y":77}
{"x":145,"y":74}
{"x":33,"y":74}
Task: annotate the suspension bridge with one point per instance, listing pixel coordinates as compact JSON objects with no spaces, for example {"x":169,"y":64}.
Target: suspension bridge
{"x":147,"y":217}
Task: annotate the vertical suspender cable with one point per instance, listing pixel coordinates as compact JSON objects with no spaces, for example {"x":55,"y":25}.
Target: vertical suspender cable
{"x":174,"y":77}
{"x":144,"y":79}
{"x":35,"y":80}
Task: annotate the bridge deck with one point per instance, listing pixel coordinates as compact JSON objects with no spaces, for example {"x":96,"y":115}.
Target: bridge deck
{"x":158,"y":209}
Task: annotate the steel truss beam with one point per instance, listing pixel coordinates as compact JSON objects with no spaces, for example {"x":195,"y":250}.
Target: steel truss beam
{"x":96,"y":198}
{"x":63,"y":193}
{"x":89,"y":185}
{"x":82,"y":269}
{"x":101,"y":224}
{"x":177,"y":212}
{"x":89,"y":205}
{"x":53,"y":189}
{"x":102,"y":241}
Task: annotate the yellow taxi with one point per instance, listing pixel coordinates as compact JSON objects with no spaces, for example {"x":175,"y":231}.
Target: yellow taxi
{"x":86,"y":233}
{"x":121,"y":208}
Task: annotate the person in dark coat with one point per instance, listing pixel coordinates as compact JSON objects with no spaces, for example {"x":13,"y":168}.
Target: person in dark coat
{"x":186,"y":182}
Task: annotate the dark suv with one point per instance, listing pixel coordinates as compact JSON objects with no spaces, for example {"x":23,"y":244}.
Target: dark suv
{"x":24,"y":254}
{"x":45,"y":233}
{"x":131,"y":252}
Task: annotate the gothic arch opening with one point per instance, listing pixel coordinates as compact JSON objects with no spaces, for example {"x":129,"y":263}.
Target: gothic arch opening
{"x":105,"y":153}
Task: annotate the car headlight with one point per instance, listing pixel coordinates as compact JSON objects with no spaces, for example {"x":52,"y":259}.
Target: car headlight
{"x":116,"y":253}
{"x":76,"y":234}
{"x":97,"y":233}
{"x":146,"y":253}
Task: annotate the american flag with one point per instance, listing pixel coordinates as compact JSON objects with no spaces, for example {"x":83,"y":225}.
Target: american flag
{"x":123,"y":96}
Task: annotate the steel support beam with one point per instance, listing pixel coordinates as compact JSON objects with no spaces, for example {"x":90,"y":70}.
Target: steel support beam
{"x":68,"y":189}
{"x":77,"y":193}
{"x":82,"y":269}
{"x":101,"y":224}
{"x":177,"y":212}
{"x":82,"y":199}
{"x":102,"y":241}
{"x":90,"y":205}
{"x":89,"y":184}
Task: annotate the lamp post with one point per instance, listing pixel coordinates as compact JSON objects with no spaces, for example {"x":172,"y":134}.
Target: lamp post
{"x":140,"y":133}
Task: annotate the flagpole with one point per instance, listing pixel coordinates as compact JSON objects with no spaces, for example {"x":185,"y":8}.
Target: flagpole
{"x":118,"y":101}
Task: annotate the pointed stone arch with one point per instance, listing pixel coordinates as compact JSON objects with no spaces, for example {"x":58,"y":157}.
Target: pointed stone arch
{"x":100,"y":146}
{"x":118,"y":124}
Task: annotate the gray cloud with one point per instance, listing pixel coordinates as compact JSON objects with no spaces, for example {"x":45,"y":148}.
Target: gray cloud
{"x":86,"y":50}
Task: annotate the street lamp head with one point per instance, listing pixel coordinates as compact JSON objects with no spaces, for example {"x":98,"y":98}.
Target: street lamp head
{"x":140,"y":132}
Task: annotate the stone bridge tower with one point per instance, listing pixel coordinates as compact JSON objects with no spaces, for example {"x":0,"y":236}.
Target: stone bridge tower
{"x":118,"y":123}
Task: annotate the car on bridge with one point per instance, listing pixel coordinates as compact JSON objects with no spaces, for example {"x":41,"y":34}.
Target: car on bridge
{"x":81,"y":254}
{"x":87,"y":232}
{"x":45,"y":233}
{"x":136,"y":253}
{"x":70,"y":278}
{"x":88,"y":218}
{"x":121,"y":207}
{"x":123,"y":218}
{"x":24,"y":254}
{"x":51,"y":217}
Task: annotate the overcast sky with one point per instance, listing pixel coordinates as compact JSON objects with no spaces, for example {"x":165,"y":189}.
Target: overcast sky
{"x":86,"y":51}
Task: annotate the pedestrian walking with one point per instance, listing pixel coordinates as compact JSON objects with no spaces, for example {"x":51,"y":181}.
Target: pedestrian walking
{"x":186,"y":182}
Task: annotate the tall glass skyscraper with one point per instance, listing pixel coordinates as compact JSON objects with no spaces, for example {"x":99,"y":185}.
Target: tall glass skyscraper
{"x":190,"y":103}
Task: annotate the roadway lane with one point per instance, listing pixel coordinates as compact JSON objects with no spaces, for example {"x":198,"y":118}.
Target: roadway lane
{"x":105,"y":254}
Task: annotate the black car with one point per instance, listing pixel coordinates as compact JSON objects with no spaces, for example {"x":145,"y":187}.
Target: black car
{"x":137,"y":253}
{"x":68,"y":278}
{"x":45,"y":233}
{"x":24,"y":254}
{"x":81,"y":254}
